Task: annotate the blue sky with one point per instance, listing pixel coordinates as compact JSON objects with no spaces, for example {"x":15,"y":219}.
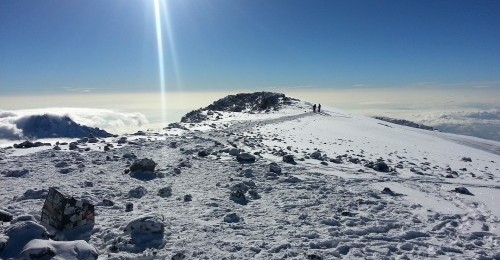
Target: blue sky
{"x":104,"y":45}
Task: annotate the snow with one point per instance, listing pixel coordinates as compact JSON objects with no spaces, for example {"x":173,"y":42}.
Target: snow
{"x":210,"y":206}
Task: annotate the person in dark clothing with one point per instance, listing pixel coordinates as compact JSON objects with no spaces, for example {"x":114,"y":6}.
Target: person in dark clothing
{"x":314,"y":108}
{"x":319,"y":108}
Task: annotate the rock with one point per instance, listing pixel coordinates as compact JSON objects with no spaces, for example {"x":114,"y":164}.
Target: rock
{"x":188,"y":198}
{"x":234,"y":151}
{"x":165,"y":192}
{"x":178,"y":256}
{"x":315,"y":155}
{"x":324,"y":163}
{"x":146,"y":231}
{"x":381,"y":166}
{"x":137,"y":193}
{"x":130,"y":156}
{"x":388,"y":191}
{"x":50,"y":249}
{"x":143,"y":165}
{"x":245,"y":158}
{"x":19,"y":235}
{"x":466,"y":159}
{"x":27,"y":144}
{"x":232,"y":218}
{"x":34,"y":194}
{"x":336,"y":160}
{"x":177,"y":171}
{"x":107,"y":203}
{"x":248,"y":173}
{"x":289,"y":159}
{"x":238,"y":196}
{"x":203,"y":153}
{"x":463,"y":190}
{"x":274,"y":167}
{"x":5,"y":216}
{"x":23,"y":218}
{"x":311,"y":256}
{"x":73,"y":146}
{"x":129,"y":207}
{"x":172,"y":145}
{"x":16,"y":173}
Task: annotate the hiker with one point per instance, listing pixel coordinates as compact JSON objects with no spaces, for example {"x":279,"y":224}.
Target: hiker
{"x":319,"y":108}
{"x":314,"y":108}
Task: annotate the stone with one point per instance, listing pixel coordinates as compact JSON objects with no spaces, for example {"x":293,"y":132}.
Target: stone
{"x":137,"y":192}
{"x":188,"y":198}
{"x":143,"y":165}
{"x":381,"y":166}
{"x":274,"y":167}
{"x":129,"y":207}
{"x":289,"y":159}
{"x":315,"y":155}
{"x":203,"y":153}
{"x":245,"y":158}
{"x":165,"y":192}
{"x":463,"y":190}
{"x":16,"y":173}
{"x":232,"y":218}
{"x":5,"y":216}
{"x":466,"y":159}
{"x":234,"y":151}
{"x":388,"y":191}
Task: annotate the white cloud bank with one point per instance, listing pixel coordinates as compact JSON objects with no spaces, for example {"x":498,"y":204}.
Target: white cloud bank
{"x":111,"y":121}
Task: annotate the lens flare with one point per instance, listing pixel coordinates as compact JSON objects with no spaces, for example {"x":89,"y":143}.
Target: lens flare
{"x":171,"y":44}
{"x":161,"y":62}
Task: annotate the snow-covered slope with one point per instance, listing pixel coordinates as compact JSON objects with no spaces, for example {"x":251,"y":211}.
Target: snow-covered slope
{"x":360,"y":188}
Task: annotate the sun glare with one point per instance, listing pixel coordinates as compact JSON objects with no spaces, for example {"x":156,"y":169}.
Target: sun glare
{"x":161,"y":61}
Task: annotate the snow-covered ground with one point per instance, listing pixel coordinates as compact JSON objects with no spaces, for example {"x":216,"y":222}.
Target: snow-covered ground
{"x":330,"y":204}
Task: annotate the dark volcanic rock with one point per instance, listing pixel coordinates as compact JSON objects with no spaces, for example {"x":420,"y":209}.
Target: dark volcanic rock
{"x":257,"y":101}
{"x":289,"y":159}
{"x":5,"y":216}
{"x":381,"y":167}
{"x":143,"y":165}
{"x":274,"y":167}
{"x":245,"y":158}
{"x":463,"y":190}
{"x":232,"y":218}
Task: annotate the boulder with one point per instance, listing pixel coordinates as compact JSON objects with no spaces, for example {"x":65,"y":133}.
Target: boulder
{"x":143,"y":165}
{"x":19,"y":235}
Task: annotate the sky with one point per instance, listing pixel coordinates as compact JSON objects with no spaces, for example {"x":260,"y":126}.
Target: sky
{"x":434,"y":62}
{"x":56,"y":46}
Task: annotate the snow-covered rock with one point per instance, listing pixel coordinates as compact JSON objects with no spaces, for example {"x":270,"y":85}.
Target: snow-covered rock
{"x":49,"y":249}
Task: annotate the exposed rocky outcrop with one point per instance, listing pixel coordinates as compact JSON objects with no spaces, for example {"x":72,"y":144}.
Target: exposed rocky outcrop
{"x":256,"y":102}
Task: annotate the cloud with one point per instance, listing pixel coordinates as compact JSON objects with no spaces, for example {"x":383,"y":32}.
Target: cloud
{"x":111,"y":121}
